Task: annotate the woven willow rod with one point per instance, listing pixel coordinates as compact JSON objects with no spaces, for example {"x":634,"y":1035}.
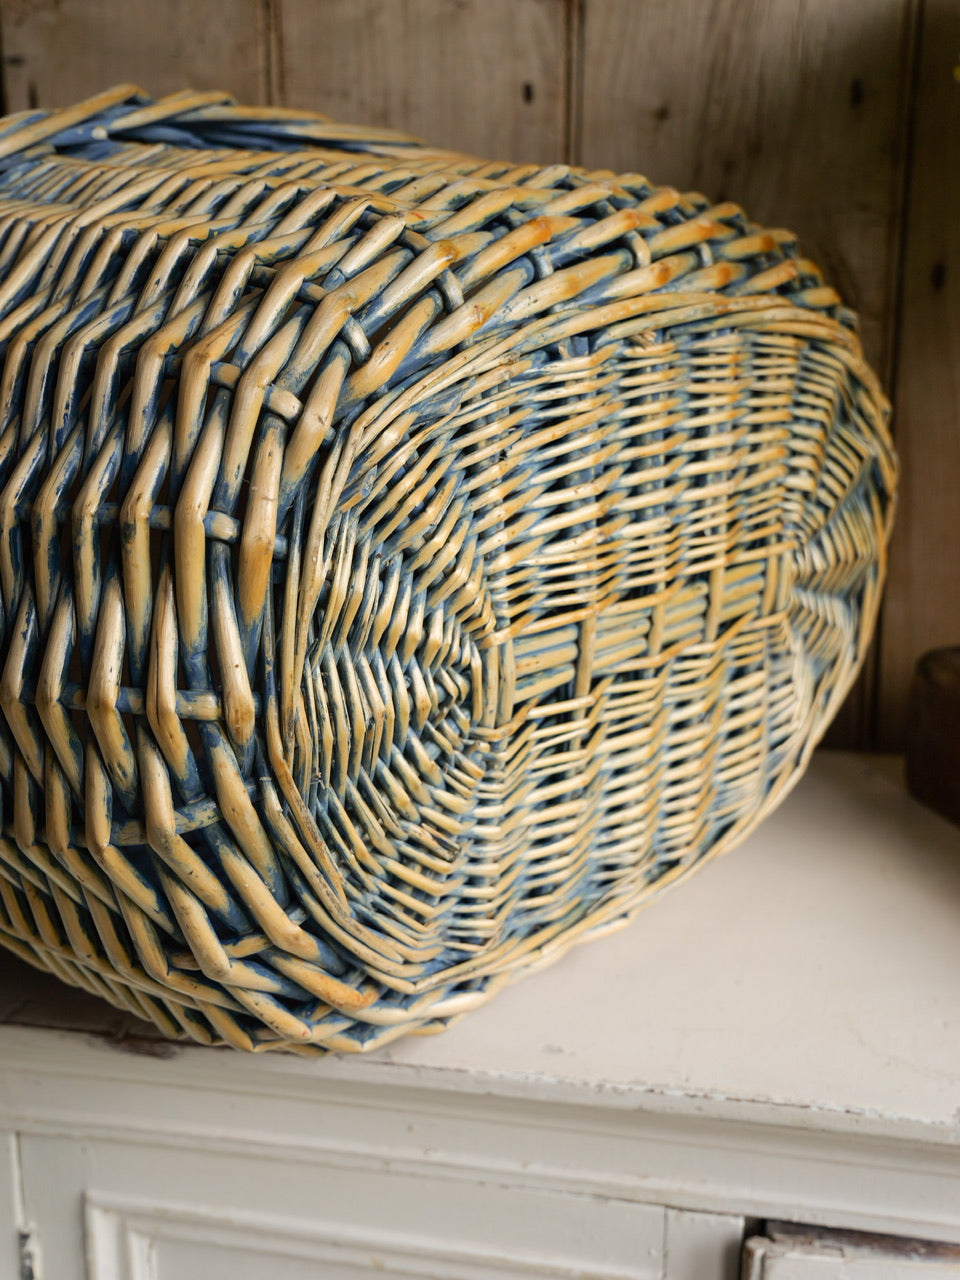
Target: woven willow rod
{"x":408,"y":562}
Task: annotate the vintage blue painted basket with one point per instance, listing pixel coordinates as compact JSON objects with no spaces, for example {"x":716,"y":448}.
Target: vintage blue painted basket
{"x":408,"y":562}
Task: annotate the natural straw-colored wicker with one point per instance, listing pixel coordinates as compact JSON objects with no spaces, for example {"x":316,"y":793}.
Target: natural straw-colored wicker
{"x":408,"y":562}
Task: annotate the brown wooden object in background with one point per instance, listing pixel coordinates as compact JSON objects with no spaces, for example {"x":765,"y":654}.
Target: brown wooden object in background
{"x":922,"y":609}
{"x":933,"y":732}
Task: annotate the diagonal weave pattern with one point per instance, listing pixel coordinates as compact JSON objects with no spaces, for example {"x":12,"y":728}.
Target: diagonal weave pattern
{"x":407,"y":562}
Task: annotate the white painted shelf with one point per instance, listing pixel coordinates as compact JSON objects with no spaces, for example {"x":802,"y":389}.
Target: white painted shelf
{"x":777,"y":1037}
{"x":817,"y":966}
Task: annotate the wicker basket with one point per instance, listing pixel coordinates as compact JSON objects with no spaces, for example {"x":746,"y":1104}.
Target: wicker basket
{"x":408,"y":562}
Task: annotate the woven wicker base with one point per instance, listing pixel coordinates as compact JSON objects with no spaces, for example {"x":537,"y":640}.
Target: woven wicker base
{"x":408,"y":562}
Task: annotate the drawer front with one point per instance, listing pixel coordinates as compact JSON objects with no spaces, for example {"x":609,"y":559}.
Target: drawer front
{"x":115,"y":1210}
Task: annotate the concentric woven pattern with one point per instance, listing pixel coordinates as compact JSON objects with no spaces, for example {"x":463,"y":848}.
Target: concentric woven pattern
{"x":407,"y":562}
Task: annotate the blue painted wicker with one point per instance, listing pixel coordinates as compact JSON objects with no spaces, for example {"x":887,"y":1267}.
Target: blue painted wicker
{"x":408,"y":562}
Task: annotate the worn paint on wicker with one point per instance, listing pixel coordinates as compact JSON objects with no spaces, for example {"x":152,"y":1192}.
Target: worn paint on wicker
{"x":407,"y":561}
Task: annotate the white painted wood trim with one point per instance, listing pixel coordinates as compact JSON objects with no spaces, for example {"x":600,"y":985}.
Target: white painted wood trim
{"x":702,"y":1246}
{"x":11,"y":1208}
{"x":54,"y":1084}
{"x":122,"y":1233}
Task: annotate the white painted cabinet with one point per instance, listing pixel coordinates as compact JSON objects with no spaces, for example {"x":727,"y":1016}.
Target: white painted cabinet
{"x":176,"y":1211}
{"x":117,"y":1202}
{"x":780,"y":1039}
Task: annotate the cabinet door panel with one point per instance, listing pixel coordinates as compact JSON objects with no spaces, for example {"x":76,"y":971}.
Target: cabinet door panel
{"x":146,"y":1209}
{"x":137,"y":1241}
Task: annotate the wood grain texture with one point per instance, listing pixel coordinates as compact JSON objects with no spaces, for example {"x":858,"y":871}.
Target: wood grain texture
{"x":793,"y":110}
{"x":57,"y":51}
{"x":482,"y":76}
{"x":796,"y":111}
{"x":923,"y":598}
{"x":11,"y":1207}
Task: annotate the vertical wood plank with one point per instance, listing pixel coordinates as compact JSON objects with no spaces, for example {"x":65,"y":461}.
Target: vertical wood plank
{"x":796,"y":110}
{"x":59,"y":51}
{"x":482,"y":76}
{"x":922,"y":607}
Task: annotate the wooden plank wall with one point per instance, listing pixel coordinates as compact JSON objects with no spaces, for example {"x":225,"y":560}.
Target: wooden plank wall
{"x":922,"y":606}
{"x":838,"y":118}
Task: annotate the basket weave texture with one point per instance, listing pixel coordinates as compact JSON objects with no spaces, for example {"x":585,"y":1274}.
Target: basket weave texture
{"x":408,"y":562}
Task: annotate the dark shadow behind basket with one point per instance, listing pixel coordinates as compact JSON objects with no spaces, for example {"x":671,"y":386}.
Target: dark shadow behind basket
{"x":407,"y":561}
